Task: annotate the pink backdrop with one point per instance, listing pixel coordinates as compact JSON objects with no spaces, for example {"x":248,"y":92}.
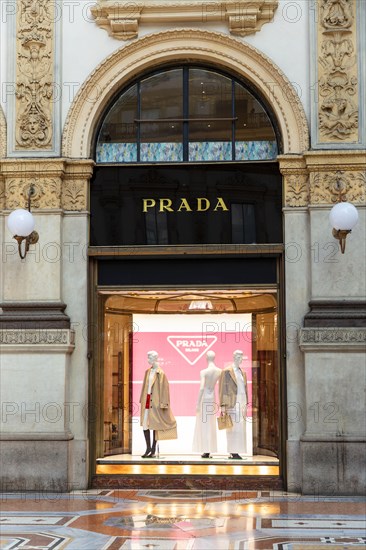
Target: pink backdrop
{"x":182,"y":355}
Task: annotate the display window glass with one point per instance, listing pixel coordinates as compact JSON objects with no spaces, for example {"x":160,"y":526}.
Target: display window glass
{"x":192,"y":332}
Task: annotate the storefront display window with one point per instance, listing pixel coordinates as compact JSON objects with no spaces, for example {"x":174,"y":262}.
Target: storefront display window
{"x":187,"y":331}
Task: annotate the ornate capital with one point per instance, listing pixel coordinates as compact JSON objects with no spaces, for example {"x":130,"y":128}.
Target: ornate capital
{"x":121,"y":19}
{"x":322,"y":177}
{"x":34,"y":75}
{"x":58,"y":184}
{"x":296,"y":180}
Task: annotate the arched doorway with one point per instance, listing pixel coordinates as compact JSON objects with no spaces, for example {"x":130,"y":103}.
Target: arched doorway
{"x":211,"y":260}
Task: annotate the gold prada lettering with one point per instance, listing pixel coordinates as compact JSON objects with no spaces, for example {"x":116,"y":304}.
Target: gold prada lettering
{"x":220,"y":204}
{"x":200,"y":204}
{"x":148,"y":203}
{"x":165,"y":204}
{"x":184,"y":206}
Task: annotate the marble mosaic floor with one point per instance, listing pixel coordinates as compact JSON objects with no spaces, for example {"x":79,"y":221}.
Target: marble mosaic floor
{"x":180,"y":520}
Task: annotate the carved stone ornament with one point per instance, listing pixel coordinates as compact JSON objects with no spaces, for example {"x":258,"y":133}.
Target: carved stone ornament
{"x":57,"y":184}
{"x":121,"y":19}
{"x":297,"y":190}
{"x":47,"y":336}
{"x":29,"y":340}
{"x":326,"y":188}
{"x":332,"y":338}
{"x":337,"y":72}
{"x":34,"y":74}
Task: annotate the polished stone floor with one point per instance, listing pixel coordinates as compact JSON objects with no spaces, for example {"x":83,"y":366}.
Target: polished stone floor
{"x":180,"y":520}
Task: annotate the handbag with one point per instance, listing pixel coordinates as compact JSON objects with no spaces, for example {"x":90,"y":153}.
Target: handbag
{"x":224,"y":421}
{"x":170,"y":433}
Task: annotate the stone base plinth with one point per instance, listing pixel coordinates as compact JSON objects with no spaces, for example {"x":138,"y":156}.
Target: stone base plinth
{"x":333,"y":466}
{"x":35,"y":463}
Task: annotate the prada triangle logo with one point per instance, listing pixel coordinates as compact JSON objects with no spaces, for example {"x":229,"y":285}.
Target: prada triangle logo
{"x":192,"y":347}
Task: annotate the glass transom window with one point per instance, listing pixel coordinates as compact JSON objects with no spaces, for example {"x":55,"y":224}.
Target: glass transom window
{"x":186,"y":114}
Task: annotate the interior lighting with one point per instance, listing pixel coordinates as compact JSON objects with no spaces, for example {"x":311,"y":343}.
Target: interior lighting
{"x":201,"y":305}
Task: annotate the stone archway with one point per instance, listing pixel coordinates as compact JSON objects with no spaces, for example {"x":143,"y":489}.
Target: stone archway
{"x":176,"y":46}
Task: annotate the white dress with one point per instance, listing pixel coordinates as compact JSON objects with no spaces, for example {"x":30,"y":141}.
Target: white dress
{"x":204,"y":437}
{"x":236,"y":436}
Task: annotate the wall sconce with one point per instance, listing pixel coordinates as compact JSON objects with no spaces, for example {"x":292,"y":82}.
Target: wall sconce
{"x":343,"y":217}
{"x":21,"y":224}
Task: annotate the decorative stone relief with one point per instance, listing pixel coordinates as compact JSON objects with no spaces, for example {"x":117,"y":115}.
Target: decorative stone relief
{"x":328,"y":187}
{"x":74,"y":195}
{"x":29,"y":336}
{"x":329,"y":337}
{"x":46,"y":193}
{"x":337,"y":72}
{"x":2,"y":193}
{"x":34,"y":74}
{"x":297,"y":190}
{"x":56,"y":184}
{"x":121,"y":19}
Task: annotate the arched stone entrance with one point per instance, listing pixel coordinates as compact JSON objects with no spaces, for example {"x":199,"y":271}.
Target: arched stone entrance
{"x":176,"y":46}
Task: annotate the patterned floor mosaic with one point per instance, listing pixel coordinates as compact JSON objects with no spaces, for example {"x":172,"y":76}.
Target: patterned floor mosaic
{"x":180,"y":520}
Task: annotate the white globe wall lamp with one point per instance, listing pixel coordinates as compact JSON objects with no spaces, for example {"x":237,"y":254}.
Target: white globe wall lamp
{"x":21,"y":224}
{"x":343,"y":217}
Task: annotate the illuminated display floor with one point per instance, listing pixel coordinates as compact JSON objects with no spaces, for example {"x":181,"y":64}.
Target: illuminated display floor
{"x":188,"y":465}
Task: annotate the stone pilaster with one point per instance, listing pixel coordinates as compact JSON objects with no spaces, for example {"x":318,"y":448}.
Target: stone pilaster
{"x":337,"y":54}
{"x":34,"y":67}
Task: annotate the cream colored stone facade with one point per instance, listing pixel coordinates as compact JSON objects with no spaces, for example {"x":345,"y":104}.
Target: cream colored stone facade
{"x":324,"y":364}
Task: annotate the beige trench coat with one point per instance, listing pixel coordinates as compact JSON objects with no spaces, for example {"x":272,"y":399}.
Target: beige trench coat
{"x":160,"y":415}
{"x":228,"y":387}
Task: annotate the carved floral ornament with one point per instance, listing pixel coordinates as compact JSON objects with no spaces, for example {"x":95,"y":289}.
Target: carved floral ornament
{"x":323,"y":178}
{"x":56,"y":185}
{"x":34,"y":75}
{"x":121,"y":19}
{"x":337,"y":71}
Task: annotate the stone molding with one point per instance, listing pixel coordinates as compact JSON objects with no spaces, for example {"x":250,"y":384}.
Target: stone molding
{"x":35,"y":31}
{"x":337,"y":72}
{"x":176,"y":46}
{"x":121,"y":19}
{"x":319,"y":177}
{"x":34,"y":315}
{"x":36,"y":436}
{"x":336,"y":313}
{"x":333,"y":339}
{"x":2,"y":135}
{"x":57,"y":183}
{"x":37,"y":341}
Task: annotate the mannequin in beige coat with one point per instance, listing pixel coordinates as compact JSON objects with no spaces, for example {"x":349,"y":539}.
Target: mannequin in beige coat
{"x":233,"y":394}
{"x":155,"y":403}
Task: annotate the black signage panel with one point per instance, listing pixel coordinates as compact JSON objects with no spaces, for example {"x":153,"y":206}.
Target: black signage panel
{"x":186,"y":271}
{"x":186,"y":204}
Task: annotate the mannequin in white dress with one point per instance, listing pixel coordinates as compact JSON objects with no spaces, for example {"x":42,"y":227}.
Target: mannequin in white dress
{"x":233,"y":400}
{"x":205,"y":439}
